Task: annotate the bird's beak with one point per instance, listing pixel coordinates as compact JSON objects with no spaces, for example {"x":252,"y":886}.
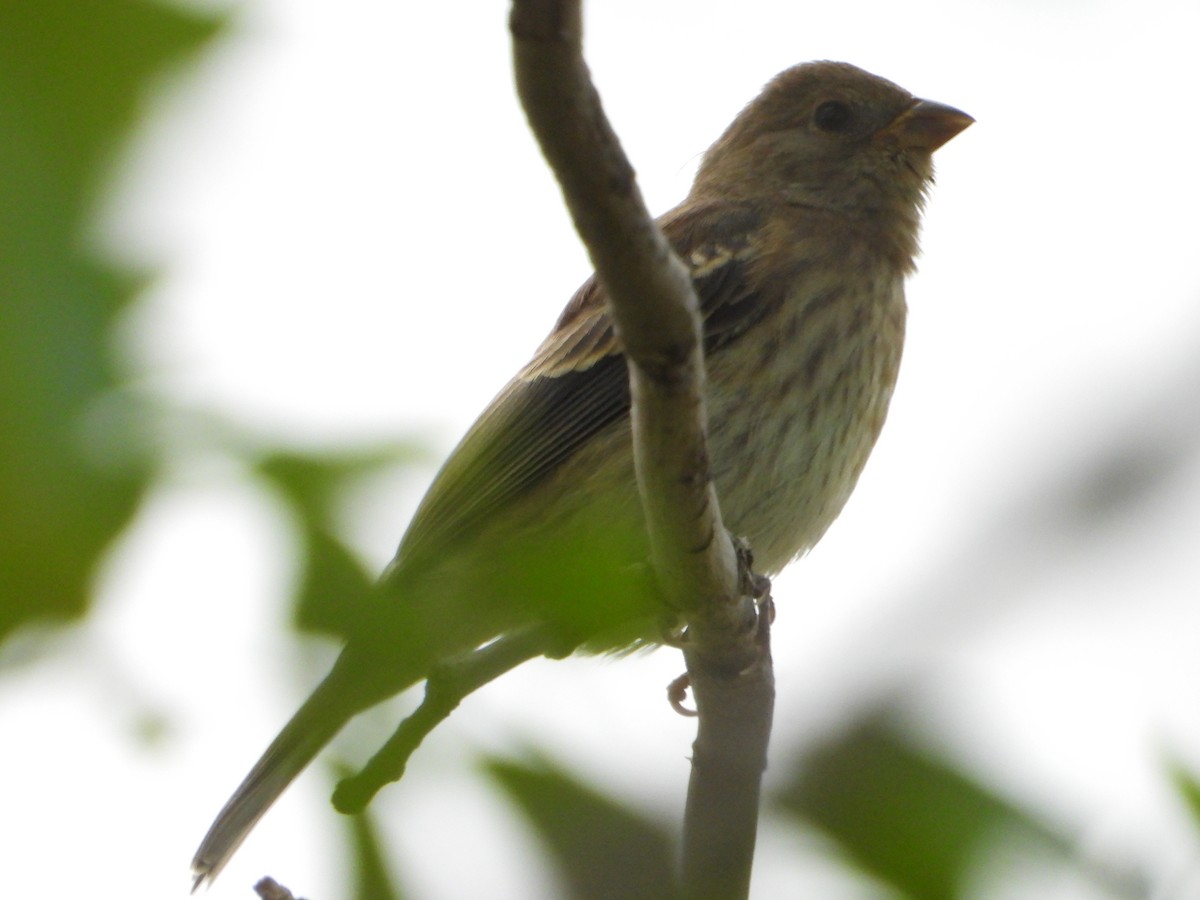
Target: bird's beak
{"x":926,"y":125}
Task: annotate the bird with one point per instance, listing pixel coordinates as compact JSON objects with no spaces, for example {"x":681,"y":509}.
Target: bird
{"x":799,"y":232}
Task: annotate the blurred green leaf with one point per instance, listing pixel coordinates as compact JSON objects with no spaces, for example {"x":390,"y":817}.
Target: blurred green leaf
{"x":915,"y":822}
{"x":604,"y":850}
{"x":334,"y":584}
{"x":314,"y":483}
{"x":73,"y":78}
{"x":371,"y":868}
{"x":1188,"y":788}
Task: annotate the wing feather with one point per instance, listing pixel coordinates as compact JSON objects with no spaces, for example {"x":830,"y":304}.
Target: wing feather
{"x":577,"y":384}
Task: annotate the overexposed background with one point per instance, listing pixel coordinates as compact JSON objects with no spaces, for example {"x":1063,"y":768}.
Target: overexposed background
{"x":356,"y":239}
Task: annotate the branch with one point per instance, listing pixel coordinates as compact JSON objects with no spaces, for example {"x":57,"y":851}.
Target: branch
{"x":657,"y":317}
{"x":270,"y":889}
{"x":650,"y":296}
{"x":445,"y":688}
{"x":734,"y":710}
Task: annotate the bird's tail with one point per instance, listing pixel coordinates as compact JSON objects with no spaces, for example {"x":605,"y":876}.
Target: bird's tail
{"x":311,"y":728}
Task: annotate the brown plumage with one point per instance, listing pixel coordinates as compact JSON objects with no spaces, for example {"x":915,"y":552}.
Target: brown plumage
{"x":799,"y":231}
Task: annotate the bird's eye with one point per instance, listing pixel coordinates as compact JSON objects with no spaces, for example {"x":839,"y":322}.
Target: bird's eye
{"x":833,"y":115}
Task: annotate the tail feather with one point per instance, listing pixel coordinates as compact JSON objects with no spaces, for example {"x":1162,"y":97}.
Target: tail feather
{"x":312,"y":727}
{"x":373,"y":666}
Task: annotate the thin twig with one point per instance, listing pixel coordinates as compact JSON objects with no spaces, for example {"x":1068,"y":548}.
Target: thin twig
{"x":700,"y":569}
{"x":269,"y":889}
{"x":650,"y":296}
{"x":445,"y":688}
{"x":728,"y":760}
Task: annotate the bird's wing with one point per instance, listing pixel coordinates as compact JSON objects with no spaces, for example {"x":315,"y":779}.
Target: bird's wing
{"x":577,"y":385}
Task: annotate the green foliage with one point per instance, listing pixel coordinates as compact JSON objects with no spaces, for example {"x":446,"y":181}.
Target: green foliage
{"x":77,"y":455}
{"x":1187,"y":786}
{"x":334,"y":583}
{"x":73,"y":75}
{"x":603,"y":849}
{"x":370,"y":866}
{"x":911,"y":820}
{"x":916,"y":822}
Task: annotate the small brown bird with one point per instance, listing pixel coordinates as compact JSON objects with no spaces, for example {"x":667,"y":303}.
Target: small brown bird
{"x":799,"y":231}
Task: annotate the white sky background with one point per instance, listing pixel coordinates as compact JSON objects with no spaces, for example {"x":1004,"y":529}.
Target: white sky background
{"x":358,"y":239}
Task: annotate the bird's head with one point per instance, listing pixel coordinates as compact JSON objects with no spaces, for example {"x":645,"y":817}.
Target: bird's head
{"x":830,"y":135}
